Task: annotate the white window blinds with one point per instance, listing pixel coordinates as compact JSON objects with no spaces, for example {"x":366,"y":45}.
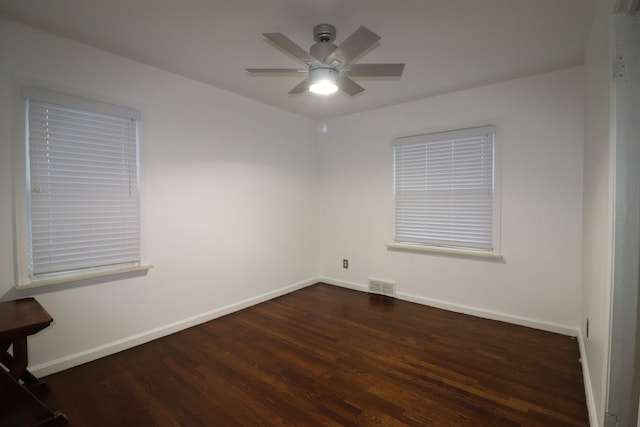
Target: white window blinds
{"x":82,"y":184}
{"x":444,"y":189}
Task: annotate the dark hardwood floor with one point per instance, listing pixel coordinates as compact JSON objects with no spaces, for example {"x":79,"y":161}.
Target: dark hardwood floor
{"x":327,"y":356}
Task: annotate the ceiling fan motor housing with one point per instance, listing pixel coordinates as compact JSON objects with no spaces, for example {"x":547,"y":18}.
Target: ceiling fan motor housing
{"x":323,"y":34}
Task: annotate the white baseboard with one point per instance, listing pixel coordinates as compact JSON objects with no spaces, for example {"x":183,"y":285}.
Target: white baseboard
{"x":344,"y":284}
{"x":464,"y":309}
{"x":591,"y":402}
{"x":88,"y":355}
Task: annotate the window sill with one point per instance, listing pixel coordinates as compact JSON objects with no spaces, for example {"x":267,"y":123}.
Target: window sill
{"x":74,"y":277}
{"x":447,"y":251}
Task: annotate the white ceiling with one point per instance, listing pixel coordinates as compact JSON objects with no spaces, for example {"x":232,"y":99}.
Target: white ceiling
{"x":447,"y":45}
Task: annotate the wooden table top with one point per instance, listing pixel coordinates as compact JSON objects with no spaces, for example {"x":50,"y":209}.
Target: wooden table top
{"x":22,"y":317}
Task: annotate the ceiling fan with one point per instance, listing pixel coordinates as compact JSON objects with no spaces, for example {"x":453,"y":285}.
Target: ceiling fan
{"x":330,"y":67}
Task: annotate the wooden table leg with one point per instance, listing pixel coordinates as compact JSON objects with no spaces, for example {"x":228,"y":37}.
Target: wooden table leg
{"x":19,"y":319}
{"x":20,"y":358}
{"x":34,"y":384}
{"x":44,"y":415}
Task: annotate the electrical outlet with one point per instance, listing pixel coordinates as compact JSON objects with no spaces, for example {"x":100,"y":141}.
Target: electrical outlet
{"x":345,"y":263}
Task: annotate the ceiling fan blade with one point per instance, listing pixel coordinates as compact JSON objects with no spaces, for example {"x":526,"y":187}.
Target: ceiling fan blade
{"x":376,"y":70}
{"x":275,"y":71}
{"x":300,"y":88}
{"x":283,"y":42}
{"x":355,"y":45}
{"x":349,"y":86}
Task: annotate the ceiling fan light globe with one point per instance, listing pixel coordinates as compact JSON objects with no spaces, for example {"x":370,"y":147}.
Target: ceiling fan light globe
{"x":323,"y":81}
{"x":323,"y":87}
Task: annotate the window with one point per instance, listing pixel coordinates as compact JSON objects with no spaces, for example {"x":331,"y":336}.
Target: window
{"x":81,"y":185}
{"x":444,"y":191}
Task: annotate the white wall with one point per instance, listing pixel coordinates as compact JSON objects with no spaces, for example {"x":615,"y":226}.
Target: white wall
{"x":540,"y":155}
{"x":597,"y":204}
{"x":228,"y":198}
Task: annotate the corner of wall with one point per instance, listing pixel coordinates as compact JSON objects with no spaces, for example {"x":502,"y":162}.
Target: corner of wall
{"x":586,"y":376}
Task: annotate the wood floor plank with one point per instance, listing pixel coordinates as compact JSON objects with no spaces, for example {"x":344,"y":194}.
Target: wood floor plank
{"x":327,"y":356}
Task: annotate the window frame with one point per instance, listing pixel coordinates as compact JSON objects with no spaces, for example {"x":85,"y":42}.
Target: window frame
{"x":495,"y":252}
{"x":22,"y":174}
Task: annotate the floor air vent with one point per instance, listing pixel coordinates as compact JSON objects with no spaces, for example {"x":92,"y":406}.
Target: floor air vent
{"x":382,"y":287}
